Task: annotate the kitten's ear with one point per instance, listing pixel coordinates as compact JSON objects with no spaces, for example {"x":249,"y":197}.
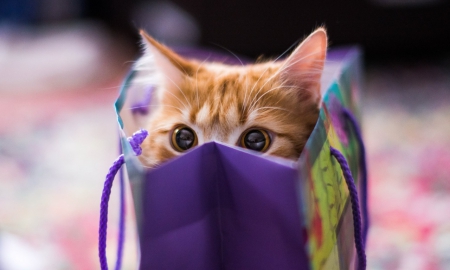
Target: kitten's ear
{"x":160,"y":58}
{"x":305,"y":65}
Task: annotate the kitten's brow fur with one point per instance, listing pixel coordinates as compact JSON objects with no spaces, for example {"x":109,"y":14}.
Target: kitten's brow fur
{"x":219,"y":102}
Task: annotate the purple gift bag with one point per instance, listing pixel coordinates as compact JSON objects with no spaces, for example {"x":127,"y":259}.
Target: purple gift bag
{"x":223,"y":207}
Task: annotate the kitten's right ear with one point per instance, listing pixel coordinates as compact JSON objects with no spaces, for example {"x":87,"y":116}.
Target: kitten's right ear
{"x":158,"y":57}
{"x":305,"y":65}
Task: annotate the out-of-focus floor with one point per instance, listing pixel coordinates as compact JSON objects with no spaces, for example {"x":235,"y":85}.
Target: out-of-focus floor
{"x":56,"y":147}
{"x":406,"y":113}
{"x":58,"y":137}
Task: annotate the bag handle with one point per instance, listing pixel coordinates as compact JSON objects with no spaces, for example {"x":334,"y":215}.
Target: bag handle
{"x":362,"y":157}
{"x":360,"y":233}
{"x":355,"y":207}
{"x":135,"y":142}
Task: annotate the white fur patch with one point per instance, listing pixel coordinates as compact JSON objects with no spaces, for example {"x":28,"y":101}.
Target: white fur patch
{"x":147,"y":71}
{"x":203,"y":114}
{"x":232,"y":115}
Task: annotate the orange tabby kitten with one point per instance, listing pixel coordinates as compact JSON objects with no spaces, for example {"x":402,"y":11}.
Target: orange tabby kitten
{"x":269,"y":107}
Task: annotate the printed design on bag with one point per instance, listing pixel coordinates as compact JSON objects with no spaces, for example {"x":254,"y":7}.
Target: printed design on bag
{"x":329,"y":195}
{"x":345,"y":237}
{"x":337,"y":119}
{"x":330,"y":231}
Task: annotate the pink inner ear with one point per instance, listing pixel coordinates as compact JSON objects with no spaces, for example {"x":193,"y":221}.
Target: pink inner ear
{"x":307,"y":61}
{"x":305,"y":65}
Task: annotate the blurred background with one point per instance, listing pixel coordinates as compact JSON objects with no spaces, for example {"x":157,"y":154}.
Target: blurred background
{"x":62,"y":62}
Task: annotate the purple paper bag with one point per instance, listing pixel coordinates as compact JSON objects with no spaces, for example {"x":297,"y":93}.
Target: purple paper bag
{"x":223,"y":207}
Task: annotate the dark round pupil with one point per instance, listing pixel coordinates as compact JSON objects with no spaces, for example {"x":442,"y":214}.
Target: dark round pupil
{"x":185,"y":138}
{"x":255,"y":140}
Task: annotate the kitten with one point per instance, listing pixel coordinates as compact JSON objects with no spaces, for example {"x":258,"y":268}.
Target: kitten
{"x":270,"y":107}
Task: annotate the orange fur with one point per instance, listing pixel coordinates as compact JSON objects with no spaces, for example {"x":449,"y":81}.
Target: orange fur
{"x":219,"y":102}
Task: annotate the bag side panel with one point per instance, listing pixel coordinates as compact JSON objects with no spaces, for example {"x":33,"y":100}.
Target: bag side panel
{"x":260,"y":219}
{"x":180,"y":214}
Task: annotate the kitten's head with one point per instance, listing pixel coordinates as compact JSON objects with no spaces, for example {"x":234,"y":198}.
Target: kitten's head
{"x":269,"y":107}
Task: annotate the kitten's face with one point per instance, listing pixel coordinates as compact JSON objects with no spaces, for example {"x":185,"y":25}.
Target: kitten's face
{"x":268,"y":107}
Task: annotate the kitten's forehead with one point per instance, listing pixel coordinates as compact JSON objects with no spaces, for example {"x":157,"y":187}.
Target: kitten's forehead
{"x":222,"y":101}
{"x":222,"y":97}
{"x":217,"y":123}
{"x":219,"y":107}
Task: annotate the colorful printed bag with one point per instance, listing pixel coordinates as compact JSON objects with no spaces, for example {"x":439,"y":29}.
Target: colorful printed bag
{"x":221,"y":207}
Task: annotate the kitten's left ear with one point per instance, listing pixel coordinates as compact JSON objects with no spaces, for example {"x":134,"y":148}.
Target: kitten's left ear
{"x":304,"y":66}
{"x":164,"y":60}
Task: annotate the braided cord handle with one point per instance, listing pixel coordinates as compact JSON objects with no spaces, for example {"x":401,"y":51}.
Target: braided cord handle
{"x":135,"y":142}
{"x":360,"y":228}
{"x":362,"y":157}
{"x":359,"y":244}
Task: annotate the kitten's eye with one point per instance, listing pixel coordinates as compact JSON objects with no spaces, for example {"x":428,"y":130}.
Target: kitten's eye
{"x":183,"y":138}
{"x":255,"y":139}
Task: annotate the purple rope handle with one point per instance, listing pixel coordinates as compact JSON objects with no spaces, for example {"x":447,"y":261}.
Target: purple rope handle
{"x":121,"y":236}
{"x":359,"y":244}
{"x":135,"y":142}
{"x":363,"y":164}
